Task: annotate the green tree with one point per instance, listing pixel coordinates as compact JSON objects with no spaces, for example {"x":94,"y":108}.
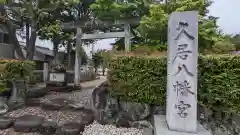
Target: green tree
{"x":119,"y":9}
{"x":105,"y":57}
{"x":153,"y":27}
{"x":97,"y":60}
{"x":29,"y":13}
{"x":236,"y":41}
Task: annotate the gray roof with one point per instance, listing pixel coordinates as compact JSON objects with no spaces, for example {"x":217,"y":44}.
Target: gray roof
{"x":44,"y":50}
{"x":40,"y":54}
{"x":40,"y":49}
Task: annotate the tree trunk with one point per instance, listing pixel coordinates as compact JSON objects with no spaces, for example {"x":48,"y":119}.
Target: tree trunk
{"x":27,"y":35}
{"x":55,"y":48}
{"x":13,"y":39}
{"x":32,"y":41}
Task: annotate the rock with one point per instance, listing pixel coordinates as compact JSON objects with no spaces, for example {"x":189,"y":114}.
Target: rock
{"x":3,"y":106}
{"x":99,"y":96}
{"x":36,"y":92}
{"x":33,"y":102}
{"x":48,"y":128}
{"x":135,"y":111}
{"x":63,"y":88}
{"x":142,"y":124}
{"x":108,"y":114}
{"x":160,"y":110}
{"x":87,"y":117}
{"x":147,"y":131}
{"x":70,"y":129}
{"x":122,"y":122}
{"x":28,"y":123}
{"x":55,"y":84}
{"x":76,"y":106}
{"x":6,"y":122}
{"x":112,"y":108}
{"x":75,"y":128}
{"x":105,"y":108}
{"x":56,"y":104}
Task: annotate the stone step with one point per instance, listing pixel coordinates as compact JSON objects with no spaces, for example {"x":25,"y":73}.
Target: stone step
{"x":57,"y":104}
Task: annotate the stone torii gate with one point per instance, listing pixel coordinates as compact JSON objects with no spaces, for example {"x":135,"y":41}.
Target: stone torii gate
{"x":81,"y":36}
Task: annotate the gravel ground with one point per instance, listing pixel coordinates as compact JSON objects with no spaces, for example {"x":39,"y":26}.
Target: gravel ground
{"x":61,"y":117}
{"x":97,"y":129}
{"x":83,"y":97}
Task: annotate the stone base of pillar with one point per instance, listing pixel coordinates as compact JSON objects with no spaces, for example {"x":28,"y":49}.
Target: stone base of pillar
{"x":161,"y":128}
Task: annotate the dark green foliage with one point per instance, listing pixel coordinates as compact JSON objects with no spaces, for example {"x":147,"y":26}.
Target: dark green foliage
{"x":139,"y":79}
{"x":219,"y":82}
{"x":97,"y":59}
{"x":143,"y":79}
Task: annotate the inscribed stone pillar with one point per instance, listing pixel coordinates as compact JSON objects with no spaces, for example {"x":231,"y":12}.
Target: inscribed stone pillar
{"x":182,"y":71}
{"x":77,"y":57}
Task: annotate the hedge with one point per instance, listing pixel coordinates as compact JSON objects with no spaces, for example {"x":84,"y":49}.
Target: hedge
{"x":143,"y":79}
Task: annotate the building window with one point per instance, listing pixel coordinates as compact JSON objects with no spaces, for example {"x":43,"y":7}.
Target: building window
{"x":4,"y":38}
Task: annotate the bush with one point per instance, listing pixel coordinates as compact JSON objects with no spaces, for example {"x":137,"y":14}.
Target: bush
{"x":14,"y":69}
{"x":223,"y":47}
{"x":143,"y":79}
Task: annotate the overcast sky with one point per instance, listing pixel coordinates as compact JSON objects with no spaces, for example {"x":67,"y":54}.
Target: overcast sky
{"x":227,"y":10}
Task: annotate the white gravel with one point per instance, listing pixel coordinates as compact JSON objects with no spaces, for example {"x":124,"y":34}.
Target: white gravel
{"x":60,"y":117}
{"x":83,"y":97}
{"x":98,"y":129}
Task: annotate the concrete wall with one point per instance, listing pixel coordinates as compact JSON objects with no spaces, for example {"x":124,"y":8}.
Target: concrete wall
{"x":6,"y":50}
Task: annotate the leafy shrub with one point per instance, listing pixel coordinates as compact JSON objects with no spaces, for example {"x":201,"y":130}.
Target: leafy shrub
{"x":223,"y":47}
{"x":144,"y":79}
{"x":14,"y":69}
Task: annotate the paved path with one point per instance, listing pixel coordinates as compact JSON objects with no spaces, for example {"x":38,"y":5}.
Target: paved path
{"x":94,"y":83}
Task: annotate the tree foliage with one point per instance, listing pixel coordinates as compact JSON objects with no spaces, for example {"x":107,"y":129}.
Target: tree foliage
{"x":153,"y":27}
{"x":30,"y":13}
{"x":119,"y":9}
{"x":236,"y":41}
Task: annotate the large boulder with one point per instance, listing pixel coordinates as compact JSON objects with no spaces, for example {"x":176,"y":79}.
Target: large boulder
{"x":33,"y":102}
{"x":135,"y":111}
{"x":36,"y":92}
{"x":48,"y":128}
{"x":70,"y":129}
{"x":87,"y":117}
{"x":159,"y":110}
{"x":74,"y":128}
{"x":142,"y":124}
{"x":28,"y":123}
{"x":56,"y":104}
{"x":6,"y":122}
{"x":109,"y":114}
{"x":99,"y":96}
{"x":122,"y":122}
{"x":3,"y":106}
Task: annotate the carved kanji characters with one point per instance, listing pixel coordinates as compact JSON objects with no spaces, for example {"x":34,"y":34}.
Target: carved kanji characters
{"x":182,"y":109}
{"x":183,"y":88}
